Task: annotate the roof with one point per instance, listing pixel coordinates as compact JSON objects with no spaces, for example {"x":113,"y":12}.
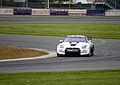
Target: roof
{"x":75,"y":36}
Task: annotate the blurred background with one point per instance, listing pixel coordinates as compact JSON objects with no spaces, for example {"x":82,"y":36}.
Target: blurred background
{"x":62,"y":4}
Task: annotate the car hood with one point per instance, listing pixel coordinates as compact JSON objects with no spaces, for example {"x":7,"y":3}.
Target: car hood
{"x":73,"y":44}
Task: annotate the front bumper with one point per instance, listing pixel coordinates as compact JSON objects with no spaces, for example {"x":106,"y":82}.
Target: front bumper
{"x":73,"y":51}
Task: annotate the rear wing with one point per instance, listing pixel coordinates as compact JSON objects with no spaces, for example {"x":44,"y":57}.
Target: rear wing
{"x":89,"y":38}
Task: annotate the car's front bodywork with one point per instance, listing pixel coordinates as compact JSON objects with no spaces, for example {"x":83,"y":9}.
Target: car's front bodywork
{"x":75,"y":44}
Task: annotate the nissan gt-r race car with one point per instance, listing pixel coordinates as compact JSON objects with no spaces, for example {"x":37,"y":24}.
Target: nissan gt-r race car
{"x":74,"y":45}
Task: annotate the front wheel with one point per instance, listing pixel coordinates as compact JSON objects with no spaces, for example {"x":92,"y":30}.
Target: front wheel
{"x":91,"y":53}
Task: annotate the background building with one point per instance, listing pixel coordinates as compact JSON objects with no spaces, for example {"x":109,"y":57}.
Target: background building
{"x":64,"y":4}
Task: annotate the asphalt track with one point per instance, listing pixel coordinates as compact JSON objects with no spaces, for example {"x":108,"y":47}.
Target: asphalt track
{"x":60,"y":21}
{"x":107,"y":55}
{"x":115,"y":20}
{"x":107,"y":52}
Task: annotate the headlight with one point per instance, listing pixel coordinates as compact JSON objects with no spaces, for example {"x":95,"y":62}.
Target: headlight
{"x":61,"y":46}
{"x":84,"y":47}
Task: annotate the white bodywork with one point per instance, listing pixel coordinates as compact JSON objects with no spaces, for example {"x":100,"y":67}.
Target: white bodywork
{"x":72,"y":47}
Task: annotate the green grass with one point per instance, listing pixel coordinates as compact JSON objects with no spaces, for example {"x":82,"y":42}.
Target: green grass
{"x":102,"y":77}
{"x":105,"y":31}
{"x":59,"y":17}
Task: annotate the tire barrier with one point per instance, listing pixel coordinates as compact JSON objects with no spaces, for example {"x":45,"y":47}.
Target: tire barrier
{"x":95,"y":12}
{"x":6,"y":11}
{"x":77,"y":12}
{"x":40,"y":12}
{"x":58,"y":11}
{"x":112,"y":13}
{"x":22,"y":11}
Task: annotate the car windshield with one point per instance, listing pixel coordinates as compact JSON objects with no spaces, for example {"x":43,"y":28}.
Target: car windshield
{"x":80,"y":39}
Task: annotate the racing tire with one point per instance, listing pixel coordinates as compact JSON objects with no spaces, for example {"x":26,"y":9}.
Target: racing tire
{"x":58,"y":55}
{"x":92,"y":51}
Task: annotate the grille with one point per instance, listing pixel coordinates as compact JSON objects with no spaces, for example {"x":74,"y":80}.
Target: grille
{"x":72,"y":51}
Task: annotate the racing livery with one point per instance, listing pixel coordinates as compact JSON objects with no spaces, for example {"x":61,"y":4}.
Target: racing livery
{"x":75,"y":45}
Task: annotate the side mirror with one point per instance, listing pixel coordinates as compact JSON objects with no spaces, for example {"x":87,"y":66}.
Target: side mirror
{"x":89,"y":38}
{"x":61,"y":41}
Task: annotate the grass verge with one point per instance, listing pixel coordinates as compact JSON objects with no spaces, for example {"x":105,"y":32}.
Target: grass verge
{"x":13,"y":53}
{"x":102,"y":31}
{"x":101,"y":77}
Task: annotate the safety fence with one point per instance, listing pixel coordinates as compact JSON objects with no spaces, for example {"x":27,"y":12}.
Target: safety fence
{"x":53,"y":12}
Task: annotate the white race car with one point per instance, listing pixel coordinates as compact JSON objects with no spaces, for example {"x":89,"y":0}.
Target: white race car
{"x":75,"y":45}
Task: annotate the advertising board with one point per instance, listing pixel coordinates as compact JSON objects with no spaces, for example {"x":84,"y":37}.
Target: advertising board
{"x":22,"y":11}
{"x":58,"y":12}
{"x":96,"y":12}
{"x":77,"y":12}
{"x":4,"y":11}
{"x":112,"y":13}
{"x":40,"y":12}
